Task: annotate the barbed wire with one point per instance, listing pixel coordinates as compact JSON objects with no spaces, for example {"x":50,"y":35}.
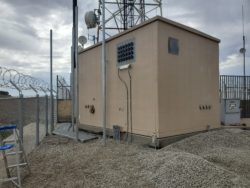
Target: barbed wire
{"x":11,"y":77}
{"x":62,"y":81}
{"x":63,"y":89}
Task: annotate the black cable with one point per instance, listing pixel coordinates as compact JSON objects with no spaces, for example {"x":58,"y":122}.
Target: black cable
{"x":126,"y":86}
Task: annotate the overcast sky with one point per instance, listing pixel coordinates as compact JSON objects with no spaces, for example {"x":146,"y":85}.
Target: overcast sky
{"x":25,"y":25}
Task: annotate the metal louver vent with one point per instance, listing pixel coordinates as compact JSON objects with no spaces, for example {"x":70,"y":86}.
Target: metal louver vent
{"x":125,"y":52}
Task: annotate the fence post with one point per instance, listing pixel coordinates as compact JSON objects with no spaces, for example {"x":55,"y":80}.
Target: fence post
{"x":37,"y":114}
{"x":54,"y":108}
{"x":20,"y":116}
{"x":51,"y":110}
{"x":51,"y":86}
{"x":37,"y":119}
{"x":20,"y":111}
{"x":46,"y":112}
{"x":46,"y":115}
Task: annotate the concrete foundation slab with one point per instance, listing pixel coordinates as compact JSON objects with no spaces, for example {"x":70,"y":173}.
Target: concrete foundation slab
{"x":65,"y":129}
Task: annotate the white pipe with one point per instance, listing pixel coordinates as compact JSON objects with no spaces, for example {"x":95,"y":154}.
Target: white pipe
{"x":103,"y":77}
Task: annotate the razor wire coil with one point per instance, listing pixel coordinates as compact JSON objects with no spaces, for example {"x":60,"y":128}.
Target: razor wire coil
{"x":63,"y":88}
{"x":11,"y":77}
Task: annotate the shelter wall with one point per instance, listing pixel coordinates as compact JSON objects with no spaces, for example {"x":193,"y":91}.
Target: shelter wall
{"x":144,"y":84}
{"x":186,"y":82}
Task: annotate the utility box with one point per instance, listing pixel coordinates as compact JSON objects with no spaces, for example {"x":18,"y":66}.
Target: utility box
{"x":162,"y":81}
{"x":230,"y":111}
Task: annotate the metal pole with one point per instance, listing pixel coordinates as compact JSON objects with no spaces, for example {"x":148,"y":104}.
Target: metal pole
{"x":46,"y":115}
{"x":103,"y":73}
{"x":77,"y":72}
{"x":20,"y":116}
{"x":37,"y":119}
{"x":160,"y":5}
{"x":72,"y":90}
{"x":57,"y":97}
{"x":142,"y":10}
{"x":98,"y":26}
{"x":51,"y":88}
{"x":20,"y":110}
{"x":244,"y":74}
{"x":37,"y":114}
{"x":17,"y":149}
{"x":124,"y":15}
{"x":244,"y":61}
{"x":46,"y":111}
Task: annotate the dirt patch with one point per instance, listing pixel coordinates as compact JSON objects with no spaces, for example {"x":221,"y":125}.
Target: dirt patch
{"x":212,"y":159}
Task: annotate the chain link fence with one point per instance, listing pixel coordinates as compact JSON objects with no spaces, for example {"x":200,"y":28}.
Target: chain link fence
{"x":64,"y":101}
{"x":24,"y":111}
{"x":237,"y":87}
{"x":30,"y":114}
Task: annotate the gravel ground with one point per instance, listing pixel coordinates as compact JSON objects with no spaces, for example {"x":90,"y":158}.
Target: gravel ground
{"x":211,"y":159}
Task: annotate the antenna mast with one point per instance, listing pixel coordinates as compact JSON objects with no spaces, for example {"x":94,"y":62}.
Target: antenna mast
{"x":243,"y":51}
{"x":121,"y":15}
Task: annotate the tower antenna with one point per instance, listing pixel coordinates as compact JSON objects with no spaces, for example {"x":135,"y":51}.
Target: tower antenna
{"x":121,"y":15}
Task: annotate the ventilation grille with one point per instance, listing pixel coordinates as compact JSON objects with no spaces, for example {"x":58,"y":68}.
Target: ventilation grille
{"x":125,"y":52}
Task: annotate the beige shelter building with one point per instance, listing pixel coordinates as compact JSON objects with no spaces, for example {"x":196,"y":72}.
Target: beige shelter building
{"x":174,"y":87}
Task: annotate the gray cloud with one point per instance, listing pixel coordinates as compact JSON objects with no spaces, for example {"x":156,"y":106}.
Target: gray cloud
{"x":221,"y":19}
{"x":25,"y":25}
{"x":38,"y":8}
